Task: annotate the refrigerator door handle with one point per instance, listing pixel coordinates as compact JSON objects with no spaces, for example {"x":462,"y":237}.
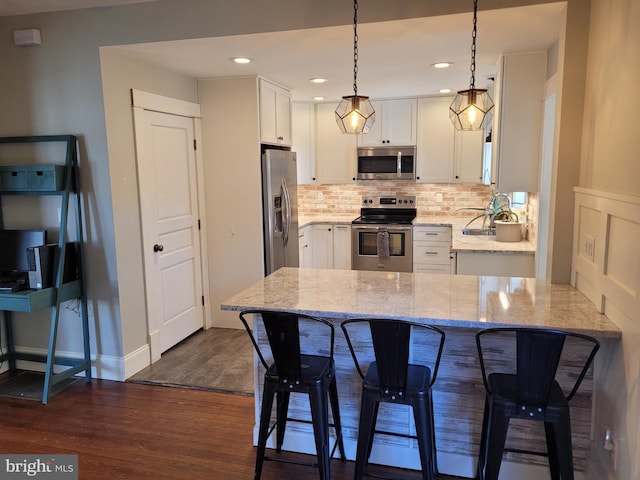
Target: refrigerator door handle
{"x":287,"y":212}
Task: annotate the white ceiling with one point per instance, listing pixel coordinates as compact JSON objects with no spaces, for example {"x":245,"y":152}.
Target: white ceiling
{"x":22,"y":7}
{"x":394,"y":57}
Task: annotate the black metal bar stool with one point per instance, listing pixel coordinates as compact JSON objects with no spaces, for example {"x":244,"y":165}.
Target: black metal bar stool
{"x":528,"y":389}
{"x":295,"y":368}
{"x":401,"y":369}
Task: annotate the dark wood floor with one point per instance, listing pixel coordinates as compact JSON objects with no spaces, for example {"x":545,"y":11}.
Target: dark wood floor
{"x":139,"y":432}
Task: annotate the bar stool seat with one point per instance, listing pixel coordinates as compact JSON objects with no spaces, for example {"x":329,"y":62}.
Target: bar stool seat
{"x":393,"y":378}
{"x":293,"y":369}
{"x":529,"y":390}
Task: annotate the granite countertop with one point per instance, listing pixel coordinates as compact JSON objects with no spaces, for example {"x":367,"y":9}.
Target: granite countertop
{"x":475,"y":243}
{"x":465,"y":301}
{"x":459,"y":242}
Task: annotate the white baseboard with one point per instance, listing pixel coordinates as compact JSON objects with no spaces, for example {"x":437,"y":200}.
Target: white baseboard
{"x":104,"y":367}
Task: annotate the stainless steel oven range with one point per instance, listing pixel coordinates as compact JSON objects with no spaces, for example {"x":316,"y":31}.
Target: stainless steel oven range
{"x":382,"y":235}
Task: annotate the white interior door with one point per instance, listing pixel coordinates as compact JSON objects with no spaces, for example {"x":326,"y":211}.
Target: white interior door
{"x":165,"y":150}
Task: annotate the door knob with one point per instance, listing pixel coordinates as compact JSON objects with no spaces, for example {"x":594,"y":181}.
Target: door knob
{"x":158,"y":248}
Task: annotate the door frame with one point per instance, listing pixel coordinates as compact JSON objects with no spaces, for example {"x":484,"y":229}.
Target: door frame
{"x":141,"y":101}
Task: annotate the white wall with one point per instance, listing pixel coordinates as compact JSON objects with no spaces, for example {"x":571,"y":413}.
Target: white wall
{"x":57,"y":88}
{"x":119,"y":75}
{"x":231,"y":144}
{"x":609,"y":163}
{"x":610,"y":148}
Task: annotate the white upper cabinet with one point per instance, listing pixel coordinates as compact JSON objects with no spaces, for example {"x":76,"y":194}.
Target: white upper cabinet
{"x":519,"y":97}
{"x":435,"y":145}
{"x":275,"y":114}
{"x":468,"y":155}
{"x":395,"y":123}
{"x":335,"y":151}
{"x":444,"y":154}
{"x":304,"y":140}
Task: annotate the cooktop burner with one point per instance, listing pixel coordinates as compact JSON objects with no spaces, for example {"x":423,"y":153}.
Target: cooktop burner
{"x":387,"y":210}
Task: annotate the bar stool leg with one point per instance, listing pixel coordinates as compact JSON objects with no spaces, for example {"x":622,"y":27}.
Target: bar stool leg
{"x":482,"y":454}
{"x":562,"y":428}
{"x":320,"y":420}
{"x":366,"y":425}
{"x":282,"y":410}
{"x":552,"y":450}
{"x":421,"y":417}
{"x":263,"y":431}
{"x":335,"y":410}
{"x":496,"y":436}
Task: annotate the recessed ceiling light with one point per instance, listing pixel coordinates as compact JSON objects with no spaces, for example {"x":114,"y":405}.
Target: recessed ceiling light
{"x":445,"y":90}
{"x":318,"y":99}
{"x":441,"y":65}
{"x":317,"y":80}
{"x":242,"y":60}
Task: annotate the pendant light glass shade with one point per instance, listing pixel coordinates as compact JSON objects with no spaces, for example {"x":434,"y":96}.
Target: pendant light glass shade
{"x":355,"y":114}
{"x":470,"y":109}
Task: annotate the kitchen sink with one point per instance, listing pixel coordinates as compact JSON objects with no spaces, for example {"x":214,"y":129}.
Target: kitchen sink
{"x":478,"y":231}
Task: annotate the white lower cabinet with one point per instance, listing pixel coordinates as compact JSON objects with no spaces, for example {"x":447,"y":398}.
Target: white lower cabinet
{"x":322,"y":246}
{"x":432,"y":250}
{"x":326,"y":246}
{"x":499,"y":264}
{"x":342,"y":247}
{"x":304,"y":247}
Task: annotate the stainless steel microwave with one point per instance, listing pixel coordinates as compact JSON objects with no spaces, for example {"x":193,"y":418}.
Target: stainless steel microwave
{"x":387,"y":163}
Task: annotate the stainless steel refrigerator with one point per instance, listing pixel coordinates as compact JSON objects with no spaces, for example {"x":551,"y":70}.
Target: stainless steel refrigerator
{"x":279,"y":209}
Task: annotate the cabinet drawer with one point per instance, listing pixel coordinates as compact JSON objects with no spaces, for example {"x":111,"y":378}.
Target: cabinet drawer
{"x":432,"y":234}
{"x":36,"y":178}
{"x":444,"y":269}
{"x":423,"y":253}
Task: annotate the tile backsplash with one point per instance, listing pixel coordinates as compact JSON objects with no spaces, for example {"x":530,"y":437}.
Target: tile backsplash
{"x":431,"y":199}
{"x":438,"y":200}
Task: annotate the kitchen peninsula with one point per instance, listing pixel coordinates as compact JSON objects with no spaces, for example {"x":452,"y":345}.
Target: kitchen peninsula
{"x":461,"y":304}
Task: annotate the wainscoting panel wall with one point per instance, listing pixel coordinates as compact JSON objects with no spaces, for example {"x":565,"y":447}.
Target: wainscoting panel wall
{"x":606,"y":268}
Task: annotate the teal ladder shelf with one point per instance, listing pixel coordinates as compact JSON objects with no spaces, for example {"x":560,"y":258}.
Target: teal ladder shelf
{"x":50,"y":180}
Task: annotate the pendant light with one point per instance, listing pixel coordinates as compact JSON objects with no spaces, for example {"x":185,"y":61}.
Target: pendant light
{"x":355,"y":114}
{"x":469,"y":109}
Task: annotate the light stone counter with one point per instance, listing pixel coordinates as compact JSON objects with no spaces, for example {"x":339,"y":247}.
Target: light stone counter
{"x":459,"y":242}
{"x":449,"y":300}
{"x":474,"y":243}
{"x":460,"y":304}
{"x":334,"y":220}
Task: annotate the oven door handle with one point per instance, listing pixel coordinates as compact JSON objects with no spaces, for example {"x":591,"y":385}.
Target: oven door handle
{"x":381,"y":228}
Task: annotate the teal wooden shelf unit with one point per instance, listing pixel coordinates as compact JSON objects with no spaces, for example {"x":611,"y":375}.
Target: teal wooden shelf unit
{"x":52,"y":180}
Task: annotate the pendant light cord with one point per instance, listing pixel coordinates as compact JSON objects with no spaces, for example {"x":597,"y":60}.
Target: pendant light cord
{"x":355,"y":47}
{"x":473,"y":44}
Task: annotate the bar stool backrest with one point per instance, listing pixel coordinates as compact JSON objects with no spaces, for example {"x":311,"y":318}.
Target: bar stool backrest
{"x":537,"y":362}
{"x":283,"y":330}
{"x":391,"y":346}
{"x":538,"y":355}
{"x":394,"y":349}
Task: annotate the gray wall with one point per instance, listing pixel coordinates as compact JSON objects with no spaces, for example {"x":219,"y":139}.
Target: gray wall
{"x":57,"y":88}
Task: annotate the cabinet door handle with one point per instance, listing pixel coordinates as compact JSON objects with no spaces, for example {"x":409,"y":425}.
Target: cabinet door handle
{"x":158,"y":247}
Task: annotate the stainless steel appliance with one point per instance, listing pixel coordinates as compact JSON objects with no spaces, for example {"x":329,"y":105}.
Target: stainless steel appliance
{"x":280,"y":209}
{"x":382,"y":236}
{"x":387,"y":163}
